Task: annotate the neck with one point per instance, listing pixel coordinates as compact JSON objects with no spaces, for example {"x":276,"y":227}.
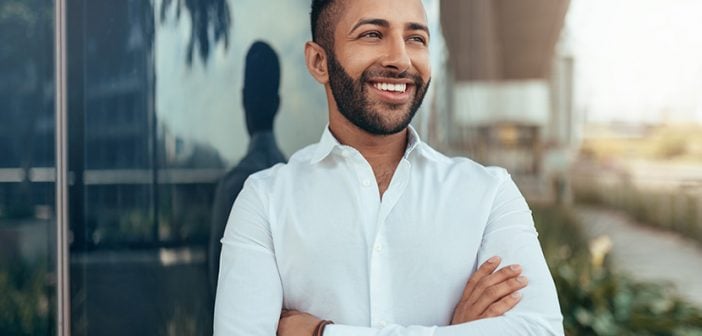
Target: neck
{"x":383,"y":152}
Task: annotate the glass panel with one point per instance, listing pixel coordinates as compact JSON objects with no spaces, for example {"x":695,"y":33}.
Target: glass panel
{"x":115,"y":248}
{"x":27,"y":202}
{"x":156,"y":119}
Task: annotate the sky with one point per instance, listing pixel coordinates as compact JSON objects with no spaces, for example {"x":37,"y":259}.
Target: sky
{"x":637,"y":60}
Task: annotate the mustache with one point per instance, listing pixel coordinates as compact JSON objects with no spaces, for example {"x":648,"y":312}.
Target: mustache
{"x":394,"y":74}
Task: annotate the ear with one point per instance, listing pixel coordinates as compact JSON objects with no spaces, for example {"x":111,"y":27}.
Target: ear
{"x":316,"y":59}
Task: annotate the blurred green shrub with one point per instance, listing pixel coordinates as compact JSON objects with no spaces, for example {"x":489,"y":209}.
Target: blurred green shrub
{"x":24,"y":302}
{"x":594,"y":299}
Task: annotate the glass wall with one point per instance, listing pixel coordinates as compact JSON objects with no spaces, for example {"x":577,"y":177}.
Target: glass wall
{"x":155,"y":120}
{"x":27,"y":211}
{"x":137,"y":260}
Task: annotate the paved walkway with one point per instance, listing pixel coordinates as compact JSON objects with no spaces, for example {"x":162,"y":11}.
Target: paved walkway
{"x":648,"y":254}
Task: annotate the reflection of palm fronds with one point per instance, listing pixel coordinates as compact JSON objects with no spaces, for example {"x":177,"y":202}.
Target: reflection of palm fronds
{"x":207,"y":17}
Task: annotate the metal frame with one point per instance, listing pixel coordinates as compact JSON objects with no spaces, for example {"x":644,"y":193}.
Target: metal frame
{"x":63,"y":320}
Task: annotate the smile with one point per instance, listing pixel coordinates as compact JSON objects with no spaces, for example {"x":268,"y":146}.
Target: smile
{"x":390,"y":87}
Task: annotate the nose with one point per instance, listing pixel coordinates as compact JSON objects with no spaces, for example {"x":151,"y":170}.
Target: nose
{"x":396,"y":55}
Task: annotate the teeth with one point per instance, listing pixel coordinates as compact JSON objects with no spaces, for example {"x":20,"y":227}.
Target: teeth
{"x":391,"y":87}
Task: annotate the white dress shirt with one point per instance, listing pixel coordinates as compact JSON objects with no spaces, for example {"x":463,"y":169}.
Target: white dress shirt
{"x":314,"y":235}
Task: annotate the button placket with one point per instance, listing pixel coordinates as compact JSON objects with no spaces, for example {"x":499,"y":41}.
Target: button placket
{"x":380,"y":294}
{"x":375,"y":290}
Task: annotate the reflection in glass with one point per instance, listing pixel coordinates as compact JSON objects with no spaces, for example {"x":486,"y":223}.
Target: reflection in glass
{"x":140,"y":196}
{"x":27,"y":235}
{"x":261,"y":101}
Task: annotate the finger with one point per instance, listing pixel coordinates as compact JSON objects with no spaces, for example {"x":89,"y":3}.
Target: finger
{"x":501,"y":275}
{"x":497,"y":292}
{"x":504,"y":305}
{"x":484,"y":270}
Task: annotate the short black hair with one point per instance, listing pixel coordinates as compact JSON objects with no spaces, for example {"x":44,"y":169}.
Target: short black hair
{"x":323,"y":21}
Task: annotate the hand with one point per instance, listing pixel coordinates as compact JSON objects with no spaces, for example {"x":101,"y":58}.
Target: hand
{"x":489,"y":294}
{"x":296,"y":323}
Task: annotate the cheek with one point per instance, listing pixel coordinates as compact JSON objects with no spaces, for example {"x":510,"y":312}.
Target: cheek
{"x":426,"y":74}
{"x":422,"y":63}
{"x":357,"y":61}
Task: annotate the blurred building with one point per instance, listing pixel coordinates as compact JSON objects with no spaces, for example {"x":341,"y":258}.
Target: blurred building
{"x":511,"y":87}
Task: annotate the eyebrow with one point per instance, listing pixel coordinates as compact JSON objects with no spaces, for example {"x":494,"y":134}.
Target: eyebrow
{"x":376,"y":22}
{"x":417,"y":26}
{"x":385,"y":24}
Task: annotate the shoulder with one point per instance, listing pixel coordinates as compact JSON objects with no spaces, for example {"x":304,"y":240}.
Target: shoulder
{"x":462,"y":167}
{"x":266,"y":179}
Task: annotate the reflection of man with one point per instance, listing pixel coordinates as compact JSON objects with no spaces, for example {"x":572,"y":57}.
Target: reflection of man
{"x":261,"y":101}
{"x":371,"y":228}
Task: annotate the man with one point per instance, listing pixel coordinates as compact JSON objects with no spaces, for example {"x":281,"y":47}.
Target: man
{"x":261,"y":101}
{"x":371,"y":228}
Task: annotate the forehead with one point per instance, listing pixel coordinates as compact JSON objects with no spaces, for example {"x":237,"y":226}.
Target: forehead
{"x":394,"y":11}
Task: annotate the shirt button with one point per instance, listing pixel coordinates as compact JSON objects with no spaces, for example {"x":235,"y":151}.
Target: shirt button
{"x":382,"y":324}
{"x":378,"y":247}
{"x":366,"y":183}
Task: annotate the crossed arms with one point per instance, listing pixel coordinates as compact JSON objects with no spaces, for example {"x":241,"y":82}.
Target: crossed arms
{"x":250,"y":292}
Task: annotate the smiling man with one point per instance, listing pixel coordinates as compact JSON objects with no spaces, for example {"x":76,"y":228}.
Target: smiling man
{"x":371,"y":228}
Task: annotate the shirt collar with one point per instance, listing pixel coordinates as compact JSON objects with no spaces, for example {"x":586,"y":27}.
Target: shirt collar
{"x":328,"y":143}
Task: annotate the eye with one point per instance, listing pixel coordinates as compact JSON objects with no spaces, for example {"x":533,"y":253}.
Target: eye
{"x":418,"y":39}
{"x":371,"y":35}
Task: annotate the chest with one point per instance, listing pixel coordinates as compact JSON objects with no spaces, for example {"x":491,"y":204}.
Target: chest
{"x":350,"y":237}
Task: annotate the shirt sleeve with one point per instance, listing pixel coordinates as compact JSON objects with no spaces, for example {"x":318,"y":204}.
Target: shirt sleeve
{"x":249,"y":291}
{"x":510,"y":234}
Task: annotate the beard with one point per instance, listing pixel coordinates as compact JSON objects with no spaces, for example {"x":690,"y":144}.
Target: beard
{"x":351,"y":96}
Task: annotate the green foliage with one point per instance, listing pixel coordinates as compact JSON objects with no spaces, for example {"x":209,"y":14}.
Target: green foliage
{"x":595,"y":300}
{"x":24,"y":303}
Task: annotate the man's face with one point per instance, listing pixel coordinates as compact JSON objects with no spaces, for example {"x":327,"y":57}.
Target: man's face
{"x":379,"y":69}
